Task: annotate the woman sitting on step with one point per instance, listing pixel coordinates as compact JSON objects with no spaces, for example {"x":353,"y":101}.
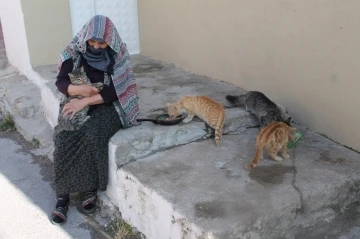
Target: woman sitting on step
{"x":81,"y":156}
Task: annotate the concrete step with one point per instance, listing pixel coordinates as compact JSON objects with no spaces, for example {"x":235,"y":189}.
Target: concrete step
{"x":8,"y":71}
{"x":21,"y":99}
{"x":49,"y":94}
{"x":200,"y":191}
{"x":24,"y":97}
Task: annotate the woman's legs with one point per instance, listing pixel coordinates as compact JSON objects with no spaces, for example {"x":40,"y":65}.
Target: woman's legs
{"x":81,"y":157}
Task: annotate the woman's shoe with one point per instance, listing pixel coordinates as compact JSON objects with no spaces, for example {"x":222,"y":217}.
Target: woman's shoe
{"x":89,"y":202}
{"x":58,"y":215}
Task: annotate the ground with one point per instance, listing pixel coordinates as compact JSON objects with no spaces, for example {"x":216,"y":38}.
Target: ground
{"x":27,"y":196}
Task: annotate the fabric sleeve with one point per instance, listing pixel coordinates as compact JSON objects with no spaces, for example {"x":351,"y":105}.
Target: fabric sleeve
{"x":108,"y":93}
{"x":63,"y":79}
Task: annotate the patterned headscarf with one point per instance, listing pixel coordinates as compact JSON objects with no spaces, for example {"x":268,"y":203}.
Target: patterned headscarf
{"x":101,"y":27}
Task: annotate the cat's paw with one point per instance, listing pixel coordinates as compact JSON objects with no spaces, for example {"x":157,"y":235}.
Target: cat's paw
{"x":250,"y":166}
{"x":277,"y":158}
{"x":187,"y":120}
{"x":285,"y":156}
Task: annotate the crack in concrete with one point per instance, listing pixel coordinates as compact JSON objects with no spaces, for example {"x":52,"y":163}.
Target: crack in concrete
{"x":300,"y":210}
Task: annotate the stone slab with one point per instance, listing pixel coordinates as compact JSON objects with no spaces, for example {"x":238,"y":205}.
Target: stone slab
{"x":140,"y":141}
{"x":22,"y":100}
{"x":200,"y":191}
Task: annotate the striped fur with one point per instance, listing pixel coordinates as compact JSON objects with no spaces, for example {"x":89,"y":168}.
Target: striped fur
{"x":274,"y":138}
{"x":64,"y":123}
{"x":205,"y":108}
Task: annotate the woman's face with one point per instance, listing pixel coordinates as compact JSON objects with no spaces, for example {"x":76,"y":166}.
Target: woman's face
{"x":97,"y":44}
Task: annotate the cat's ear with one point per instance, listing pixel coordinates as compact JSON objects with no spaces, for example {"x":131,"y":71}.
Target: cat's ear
{"x":70,"y":74}
{"x":168,"y":104}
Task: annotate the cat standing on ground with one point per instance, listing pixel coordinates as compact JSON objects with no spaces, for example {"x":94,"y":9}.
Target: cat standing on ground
{"x":274,"y":138}
{"x":258,"y":104}
{"x":64,"y":123}
{"x":205,"y":108}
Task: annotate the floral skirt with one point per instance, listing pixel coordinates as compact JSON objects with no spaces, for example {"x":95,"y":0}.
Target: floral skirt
{"x":81,"y":157}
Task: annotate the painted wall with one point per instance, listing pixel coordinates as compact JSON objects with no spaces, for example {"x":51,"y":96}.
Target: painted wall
{"x":303,"y":54}
{"x":48,"y":29}
{"x":12,"y":21}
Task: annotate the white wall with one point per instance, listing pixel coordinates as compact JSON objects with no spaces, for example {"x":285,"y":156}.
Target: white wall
{"x":12,"y":19}
{"x":123,"y":13}
{"x":17,"y":51}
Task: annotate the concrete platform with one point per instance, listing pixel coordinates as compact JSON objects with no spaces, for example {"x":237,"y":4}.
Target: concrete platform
{"x":199,"y":191}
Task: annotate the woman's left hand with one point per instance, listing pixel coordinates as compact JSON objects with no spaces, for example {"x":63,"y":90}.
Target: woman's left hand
{"x":74,"y":106}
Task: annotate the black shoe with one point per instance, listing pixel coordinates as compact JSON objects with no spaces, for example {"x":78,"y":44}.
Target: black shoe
{"x":58,"y":215}
{"x":89,"y":202}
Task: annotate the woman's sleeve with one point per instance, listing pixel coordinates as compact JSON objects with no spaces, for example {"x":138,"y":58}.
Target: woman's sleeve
{"x":63,"y":79}
{"x":108,"y":93}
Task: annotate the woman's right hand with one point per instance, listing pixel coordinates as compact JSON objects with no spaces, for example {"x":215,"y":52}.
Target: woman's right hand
{"x":85,"y":90}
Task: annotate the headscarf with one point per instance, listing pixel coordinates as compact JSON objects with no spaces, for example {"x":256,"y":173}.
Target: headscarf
{"x":101,"y":27}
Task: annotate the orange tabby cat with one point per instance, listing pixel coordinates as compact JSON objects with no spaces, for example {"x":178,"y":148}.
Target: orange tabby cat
{"x":205,"y":108}
{"x":274,"y":138}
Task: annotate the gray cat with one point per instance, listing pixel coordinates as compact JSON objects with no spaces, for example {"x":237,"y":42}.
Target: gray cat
{"x":64,"y":123}
{"x":262,"y":107}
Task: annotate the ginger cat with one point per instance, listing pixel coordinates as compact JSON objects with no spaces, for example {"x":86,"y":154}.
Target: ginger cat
{"x":205,"y":108}
{"x":274,"y":138}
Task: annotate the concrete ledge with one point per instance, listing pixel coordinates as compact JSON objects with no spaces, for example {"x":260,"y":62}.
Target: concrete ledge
{"x":21,"y":98}
{"x":140,"y":141}
{"x":49,"y":96}
{"x":199,"y":191}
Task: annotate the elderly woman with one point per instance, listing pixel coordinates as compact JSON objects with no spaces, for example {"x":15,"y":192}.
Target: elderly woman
{"x":81,"y":156}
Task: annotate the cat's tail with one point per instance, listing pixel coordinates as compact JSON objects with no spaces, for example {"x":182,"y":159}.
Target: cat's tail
{"x":257,"y":157}
{"x":218,"y":129}
{"x":237,"y":100}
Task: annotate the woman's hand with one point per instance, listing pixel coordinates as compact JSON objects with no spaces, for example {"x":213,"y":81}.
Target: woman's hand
{"x":74,"y":106}
{"x":85,"y":90}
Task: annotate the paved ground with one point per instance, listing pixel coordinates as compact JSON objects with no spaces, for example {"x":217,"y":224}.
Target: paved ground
{"x":27,"y":196}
